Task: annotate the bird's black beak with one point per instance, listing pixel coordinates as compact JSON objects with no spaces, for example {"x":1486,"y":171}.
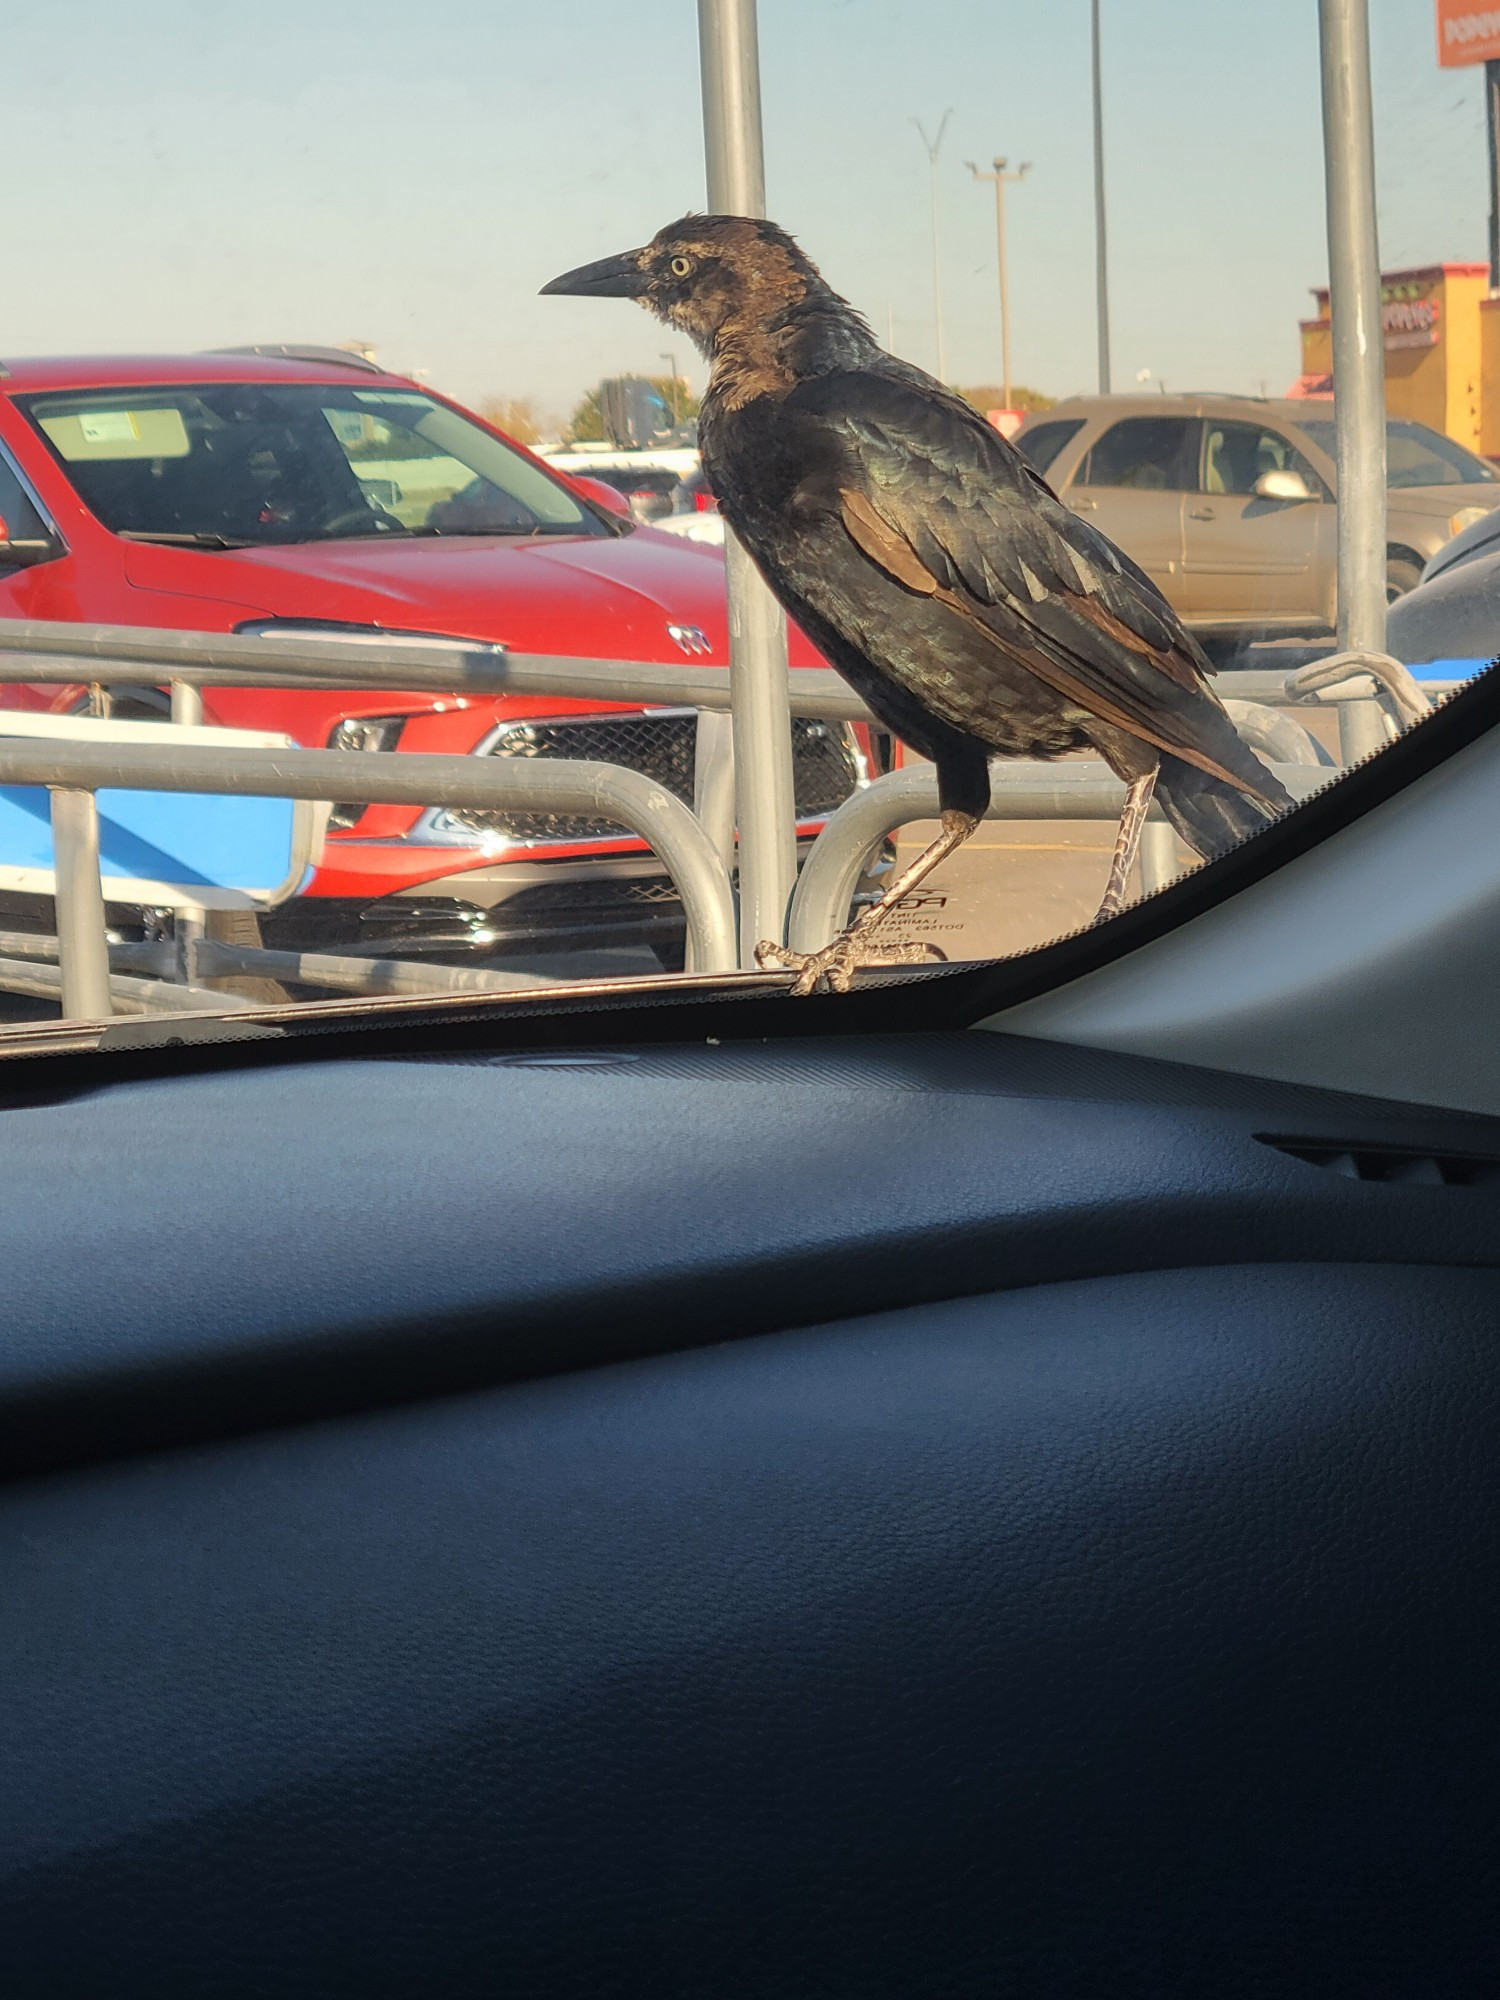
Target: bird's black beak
{"x":611,"y":278}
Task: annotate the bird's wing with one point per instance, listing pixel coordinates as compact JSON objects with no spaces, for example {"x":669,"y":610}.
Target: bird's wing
{"x":944,"y":506}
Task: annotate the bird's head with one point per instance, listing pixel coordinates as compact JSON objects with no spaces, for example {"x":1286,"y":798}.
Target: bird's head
{"x":711,"y":276}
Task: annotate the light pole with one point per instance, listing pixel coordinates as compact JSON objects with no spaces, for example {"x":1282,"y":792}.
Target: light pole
{"x":1101,"y":255}
{"x":1358,"y":339}
{"x":999,"y":176}
{"x":932,"y":146}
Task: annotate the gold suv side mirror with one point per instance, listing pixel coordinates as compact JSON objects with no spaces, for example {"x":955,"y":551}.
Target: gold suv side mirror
{"x":1281,"y":486}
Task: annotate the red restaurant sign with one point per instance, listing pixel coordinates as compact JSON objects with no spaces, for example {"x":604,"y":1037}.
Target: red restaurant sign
{"x":1467,"y":33}
{"x":1408,"y":322}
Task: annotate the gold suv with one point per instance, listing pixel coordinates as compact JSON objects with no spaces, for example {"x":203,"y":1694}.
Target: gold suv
{"x":1228,"y":501}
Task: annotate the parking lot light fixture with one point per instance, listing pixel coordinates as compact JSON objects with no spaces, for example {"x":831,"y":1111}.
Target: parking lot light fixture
{"x":1000,"y":176}
{"x":933,"y":147}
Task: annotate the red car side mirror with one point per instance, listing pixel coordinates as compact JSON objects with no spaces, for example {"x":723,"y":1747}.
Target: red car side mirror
{"x":22,"y":552}
{"x":606,"y":496}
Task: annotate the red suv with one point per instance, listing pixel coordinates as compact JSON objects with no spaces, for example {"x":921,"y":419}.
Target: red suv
{"x":277,"y":490}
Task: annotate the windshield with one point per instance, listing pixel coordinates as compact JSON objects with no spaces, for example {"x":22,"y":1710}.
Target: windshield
{"x":1417,"y":456}
{"x":934,"y":570}
{"x":247,"y":464}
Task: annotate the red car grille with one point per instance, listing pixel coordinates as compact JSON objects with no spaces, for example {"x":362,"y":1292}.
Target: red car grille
{"x":661,"y":746}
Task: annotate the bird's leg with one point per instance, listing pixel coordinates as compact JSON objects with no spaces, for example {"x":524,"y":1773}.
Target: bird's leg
{"x":1127,"y":841}
{"x":836,"y":964}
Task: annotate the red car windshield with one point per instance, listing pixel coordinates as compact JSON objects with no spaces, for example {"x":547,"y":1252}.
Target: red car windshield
{"x":242,"y":464}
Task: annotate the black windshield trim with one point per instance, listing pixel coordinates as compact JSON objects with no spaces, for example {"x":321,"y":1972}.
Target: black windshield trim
{"x":169,"y":538}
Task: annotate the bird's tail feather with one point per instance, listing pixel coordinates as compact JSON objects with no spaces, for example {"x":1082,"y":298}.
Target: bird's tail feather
{"x":1210,"y":815}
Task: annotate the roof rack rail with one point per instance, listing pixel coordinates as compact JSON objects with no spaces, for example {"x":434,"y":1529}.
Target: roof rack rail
{"x":338,"y":357}
{"x":4,"y":372}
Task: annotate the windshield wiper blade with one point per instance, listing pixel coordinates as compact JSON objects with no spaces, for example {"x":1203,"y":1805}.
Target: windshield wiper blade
{"x":182,"y":539}
{"x":494,"y":534}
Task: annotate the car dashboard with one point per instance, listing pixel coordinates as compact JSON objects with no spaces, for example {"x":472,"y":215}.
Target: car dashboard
{"x":826,"y":1514}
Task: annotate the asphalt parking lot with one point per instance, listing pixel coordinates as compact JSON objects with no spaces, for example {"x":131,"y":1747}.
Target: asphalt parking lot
{"x":1014,"y":886}
{"x":1018,"y":884}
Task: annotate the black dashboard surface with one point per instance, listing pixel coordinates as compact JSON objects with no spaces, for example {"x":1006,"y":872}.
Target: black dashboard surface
{"x":219,"y":1250}
{"x":937,"y":1515}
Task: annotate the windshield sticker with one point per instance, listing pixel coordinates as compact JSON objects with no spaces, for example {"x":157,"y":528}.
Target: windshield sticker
{"x":108,"y":427}
{"x":348,"y":425}
{"x":118,"y":434}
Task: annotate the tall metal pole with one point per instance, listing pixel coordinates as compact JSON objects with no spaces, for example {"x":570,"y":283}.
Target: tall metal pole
{"x":933,"y":147}
{"x":1004,"y":286}
{"x":1358,"y":339}
{"x":937,"y":274}
{"x":765,"y":806}
{"x":1101,"y":247}
{"x":1000,"y":177}
{"x":1492,"y":122}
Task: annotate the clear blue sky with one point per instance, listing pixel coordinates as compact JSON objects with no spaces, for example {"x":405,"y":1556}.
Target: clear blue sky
{"x":186,"y":174}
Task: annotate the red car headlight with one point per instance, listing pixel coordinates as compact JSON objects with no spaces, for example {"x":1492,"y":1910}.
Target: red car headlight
{"x":368,"y":732}
{"x":361,"y":732}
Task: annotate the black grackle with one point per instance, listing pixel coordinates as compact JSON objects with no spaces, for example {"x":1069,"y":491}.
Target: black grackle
{"x":931,"y":564}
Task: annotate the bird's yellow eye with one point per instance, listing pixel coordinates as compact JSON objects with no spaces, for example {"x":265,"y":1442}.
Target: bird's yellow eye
{"x":680,"y":267}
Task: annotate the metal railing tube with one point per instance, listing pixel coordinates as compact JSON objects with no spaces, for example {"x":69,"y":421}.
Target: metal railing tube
{"x":83,"y":946}
{"x":729,"y":59}
{"x":175,"y":651}
{"x":40,"y":979}
{"x":114,"y":655}
{"x":1021,"y":790}
{"x":151,"y":958}
{"x":1409,"y":701}
{"x":814,"y":691}
{"x":503,"y":784}
{"x":1159,"y":859}
{"x":713,"y":781}
{"x":217,"y":960}
{"x":1274,"y":735}
{"x":343,"y":974}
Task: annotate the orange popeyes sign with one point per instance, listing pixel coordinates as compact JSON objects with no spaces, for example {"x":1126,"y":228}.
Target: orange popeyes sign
{"x":1467,"y":33}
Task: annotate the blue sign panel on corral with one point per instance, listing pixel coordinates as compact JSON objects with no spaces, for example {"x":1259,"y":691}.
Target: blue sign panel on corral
{"x":1448,"y":670}
{"x":164,"y":848}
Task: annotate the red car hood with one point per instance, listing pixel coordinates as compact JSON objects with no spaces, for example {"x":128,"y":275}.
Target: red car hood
{"x":592,"y":596}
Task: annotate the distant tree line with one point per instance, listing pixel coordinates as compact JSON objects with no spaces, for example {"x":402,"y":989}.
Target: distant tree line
{"x":519,"y":418}
{"x":515,"y":415}
{"x":587,"y":422}
{"x":990,"y":396}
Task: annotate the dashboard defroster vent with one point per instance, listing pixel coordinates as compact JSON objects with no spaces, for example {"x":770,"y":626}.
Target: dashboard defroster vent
{"x":1361,"y":1161}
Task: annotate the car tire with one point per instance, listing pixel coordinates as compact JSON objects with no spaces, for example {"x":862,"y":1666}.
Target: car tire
{"x":1402,"y":574}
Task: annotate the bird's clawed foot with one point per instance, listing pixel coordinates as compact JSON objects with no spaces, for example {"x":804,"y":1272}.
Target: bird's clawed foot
{"x":835,"y":965}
